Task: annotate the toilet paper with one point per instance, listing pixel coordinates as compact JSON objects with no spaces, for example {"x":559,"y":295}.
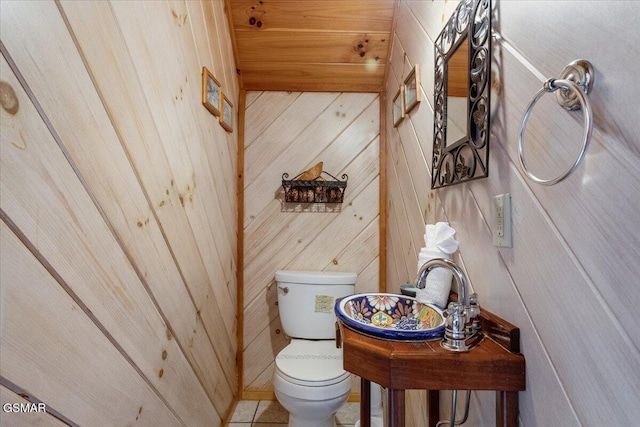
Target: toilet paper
{"x":439,"y":243}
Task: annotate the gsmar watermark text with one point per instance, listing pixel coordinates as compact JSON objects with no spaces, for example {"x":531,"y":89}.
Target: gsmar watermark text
{"x":24,"y":407}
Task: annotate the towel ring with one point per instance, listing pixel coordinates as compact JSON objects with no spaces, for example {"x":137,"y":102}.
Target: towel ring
{"x":575,"y":82}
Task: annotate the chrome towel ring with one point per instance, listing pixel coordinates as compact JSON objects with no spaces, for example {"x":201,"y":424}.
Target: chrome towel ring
{"x":574,"y":83}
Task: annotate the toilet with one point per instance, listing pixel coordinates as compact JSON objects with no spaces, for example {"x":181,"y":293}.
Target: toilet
{"x":309,"y":380}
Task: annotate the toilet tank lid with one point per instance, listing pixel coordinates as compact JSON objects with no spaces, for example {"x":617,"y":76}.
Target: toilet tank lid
{"x":316,"y":277}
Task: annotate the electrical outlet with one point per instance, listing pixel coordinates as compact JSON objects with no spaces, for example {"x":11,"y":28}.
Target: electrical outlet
{"x":501,"y":226}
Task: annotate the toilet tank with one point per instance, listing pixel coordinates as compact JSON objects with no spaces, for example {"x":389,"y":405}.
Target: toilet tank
{"x":306,"y":300}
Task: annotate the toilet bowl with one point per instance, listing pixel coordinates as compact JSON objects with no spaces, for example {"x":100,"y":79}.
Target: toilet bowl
{"x":309,"y":381}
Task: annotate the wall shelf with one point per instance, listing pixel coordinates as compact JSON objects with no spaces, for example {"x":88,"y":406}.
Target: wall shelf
{"x":318,"y":190}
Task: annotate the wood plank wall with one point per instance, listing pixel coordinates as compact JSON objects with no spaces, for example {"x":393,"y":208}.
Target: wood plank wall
{"x":570,"y":282}
{"x":290,"y":132}
{"x":118,"y":208}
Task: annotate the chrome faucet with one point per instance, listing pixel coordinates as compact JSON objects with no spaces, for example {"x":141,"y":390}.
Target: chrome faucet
{"x":462,"y":317}
{"x":459,"y":275}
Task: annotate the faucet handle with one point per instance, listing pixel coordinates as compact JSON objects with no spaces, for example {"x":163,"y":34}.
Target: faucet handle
{"x":474,"y":313}
{"x":459,"y":332}
{"x":455,"y":321}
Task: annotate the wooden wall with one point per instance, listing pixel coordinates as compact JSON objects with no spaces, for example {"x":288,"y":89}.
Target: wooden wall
{"x":570,"y":281}
{"x":290,"y":132}
{"x":118,"y":212}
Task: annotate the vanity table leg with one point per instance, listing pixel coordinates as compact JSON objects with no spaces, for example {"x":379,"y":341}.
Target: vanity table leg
{"x":506,"y":409}
{"x":395,"y":407}
{"x":433,"y":406}
{"x":365,"y":403}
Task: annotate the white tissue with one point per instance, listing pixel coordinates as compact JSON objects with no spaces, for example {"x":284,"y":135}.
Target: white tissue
{"x":443,"y":238}
{"x":439,"y":243}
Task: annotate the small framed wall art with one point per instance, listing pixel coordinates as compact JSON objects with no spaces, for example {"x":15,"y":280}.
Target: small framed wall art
{"x":226,"y":118}
{"x":211,"y":92}
{"x":398,"y":107}
{"x":412,"y":90}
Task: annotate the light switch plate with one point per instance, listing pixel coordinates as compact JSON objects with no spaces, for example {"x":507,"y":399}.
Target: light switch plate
{"x":501,"y":221}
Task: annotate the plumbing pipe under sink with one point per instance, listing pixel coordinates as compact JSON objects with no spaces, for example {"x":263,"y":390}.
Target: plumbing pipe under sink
{"x":452,"y":418}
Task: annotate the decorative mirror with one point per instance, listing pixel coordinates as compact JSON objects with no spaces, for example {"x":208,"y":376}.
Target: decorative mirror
{"x":461,"y":96}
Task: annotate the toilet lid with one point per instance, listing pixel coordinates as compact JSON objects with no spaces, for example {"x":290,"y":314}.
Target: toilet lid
{"x":314,"y":363}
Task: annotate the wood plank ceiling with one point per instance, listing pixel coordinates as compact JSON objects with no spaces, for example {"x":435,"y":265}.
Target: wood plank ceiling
{"x":312,"y":45}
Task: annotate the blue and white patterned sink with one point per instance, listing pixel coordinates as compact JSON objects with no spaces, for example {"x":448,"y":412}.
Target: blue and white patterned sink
{"x":391,"y":317}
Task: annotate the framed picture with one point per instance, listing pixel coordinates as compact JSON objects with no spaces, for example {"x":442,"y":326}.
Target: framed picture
{"x":226,"y":118}
{"x":398,"y":106}
{"x":210,"y":92}
{"x":412,"y":90}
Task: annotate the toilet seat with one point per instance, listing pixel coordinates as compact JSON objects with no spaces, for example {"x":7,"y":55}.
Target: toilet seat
{"x":293,"y":380}
{"x":311,"y":363}
{"x":312,"y":366}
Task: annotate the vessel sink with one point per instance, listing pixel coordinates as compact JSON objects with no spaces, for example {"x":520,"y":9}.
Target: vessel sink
{"x":391,"y":317}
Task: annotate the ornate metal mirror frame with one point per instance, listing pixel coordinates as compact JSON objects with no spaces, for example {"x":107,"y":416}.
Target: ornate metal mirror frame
{"x":465,"y":156}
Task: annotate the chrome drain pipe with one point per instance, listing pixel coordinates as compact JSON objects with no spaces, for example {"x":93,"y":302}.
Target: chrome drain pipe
{"x":452,"y":417}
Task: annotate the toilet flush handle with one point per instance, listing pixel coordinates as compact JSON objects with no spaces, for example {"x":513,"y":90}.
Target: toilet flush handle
{"x":284,"y":289}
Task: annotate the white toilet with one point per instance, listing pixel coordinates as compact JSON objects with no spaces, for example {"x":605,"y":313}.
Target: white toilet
{"x":309,"y":381}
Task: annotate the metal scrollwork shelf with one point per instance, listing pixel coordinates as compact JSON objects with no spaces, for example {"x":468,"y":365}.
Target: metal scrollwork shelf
{"x":318,"y":190}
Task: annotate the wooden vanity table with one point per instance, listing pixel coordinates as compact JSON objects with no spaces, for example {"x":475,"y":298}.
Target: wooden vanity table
{"x":493,"y":364}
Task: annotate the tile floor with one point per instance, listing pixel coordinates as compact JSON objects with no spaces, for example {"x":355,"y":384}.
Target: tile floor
{"x":267,"y":413}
